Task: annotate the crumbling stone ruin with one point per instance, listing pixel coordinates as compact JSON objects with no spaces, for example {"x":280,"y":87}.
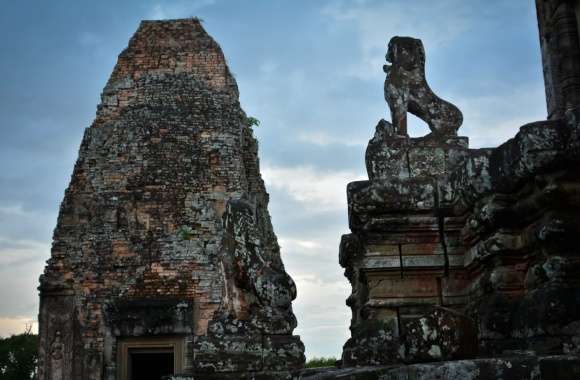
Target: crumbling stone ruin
{"x":164,"y":259}
{"x":463,"y":262}
{"x":469,"y":257}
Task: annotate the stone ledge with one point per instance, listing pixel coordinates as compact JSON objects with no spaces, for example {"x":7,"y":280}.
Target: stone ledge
{"x":508,"y":368}
{"x":520,"y":368}
{"x":409,"y":262}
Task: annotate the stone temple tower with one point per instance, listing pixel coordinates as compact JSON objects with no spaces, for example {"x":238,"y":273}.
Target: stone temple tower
{"x":164,"y":259}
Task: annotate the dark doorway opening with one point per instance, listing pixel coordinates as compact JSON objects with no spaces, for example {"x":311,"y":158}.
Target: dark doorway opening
{"x":150,"y":363}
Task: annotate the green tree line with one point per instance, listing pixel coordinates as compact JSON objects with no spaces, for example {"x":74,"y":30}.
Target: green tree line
{"x":19,"y":356}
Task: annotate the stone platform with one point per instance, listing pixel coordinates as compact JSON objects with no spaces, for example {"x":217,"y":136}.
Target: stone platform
{"x":514,"y":367}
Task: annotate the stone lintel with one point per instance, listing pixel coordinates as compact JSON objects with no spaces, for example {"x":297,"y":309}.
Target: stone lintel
{"x":402,"y":301}
{"x":409,"y":262}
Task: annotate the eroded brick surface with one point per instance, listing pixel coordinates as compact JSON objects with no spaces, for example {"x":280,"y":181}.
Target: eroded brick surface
{"x":164,"y":229}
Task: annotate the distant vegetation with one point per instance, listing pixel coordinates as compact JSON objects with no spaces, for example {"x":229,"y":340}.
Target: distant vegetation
{"x":18,"y":356}
{"x":321,"y":362}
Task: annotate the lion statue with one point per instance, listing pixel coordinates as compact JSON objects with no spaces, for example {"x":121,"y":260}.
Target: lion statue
{"x":406,"y":89}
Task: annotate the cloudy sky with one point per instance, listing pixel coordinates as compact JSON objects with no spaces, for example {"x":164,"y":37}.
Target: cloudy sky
{"x":309,"y":70}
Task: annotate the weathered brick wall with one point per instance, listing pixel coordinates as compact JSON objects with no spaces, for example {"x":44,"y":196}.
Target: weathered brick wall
{"x":148,"y":224}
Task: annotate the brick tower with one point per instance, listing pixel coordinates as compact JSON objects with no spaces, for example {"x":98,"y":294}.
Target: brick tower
{"x":164,"y":257}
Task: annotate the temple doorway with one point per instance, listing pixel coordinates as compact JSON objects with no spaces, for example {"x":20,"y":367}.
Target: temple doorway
{"x":150,"y":363}
{"x":149,"y":358}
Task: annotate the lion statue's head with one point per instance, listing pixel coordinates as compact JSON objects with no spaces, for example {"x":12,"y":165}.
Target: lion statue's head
{"x":405,"y":52}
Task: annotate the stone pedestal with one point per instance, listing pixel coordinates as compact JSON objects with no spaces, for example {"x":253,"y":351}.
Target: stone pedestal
{"x":404,"y":257}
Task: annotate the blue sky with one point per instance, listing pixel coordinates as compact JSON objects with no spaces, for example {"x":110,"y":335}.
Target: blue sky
{"x":309,"y":70}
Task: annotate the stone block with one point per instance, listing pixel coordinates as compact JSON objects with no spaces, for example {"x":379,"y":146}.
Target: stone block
{"x":441,"y":334}
{"x":394,"y":195}
{"x":227,"y":353}
{"x":383,"y":285}
{"x":161,"y":316}
{"x":374,"y":342}
{"x":282,"y":352}
{"x":537,"y":147}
